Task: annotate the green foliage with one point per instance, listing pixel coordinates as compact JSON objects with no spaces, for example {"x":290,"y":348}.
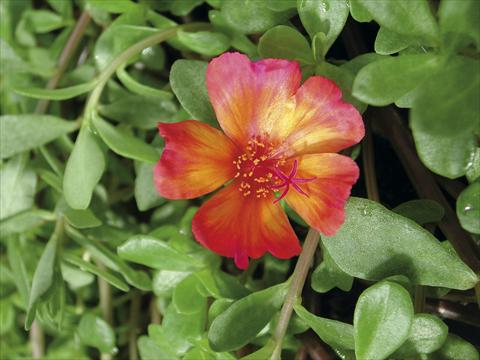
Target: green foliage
{"x":382,"y":321}
{"x":286,"y":43}
{"x":375,"y":243}
{"x":187,"y":79}
{"x":334,"y":333}
{"x":427,"y":334}
{"x":84,"y":169}
{"x":19,"y":133}
{"x":243,"y":320}
{"x":101,"y":265}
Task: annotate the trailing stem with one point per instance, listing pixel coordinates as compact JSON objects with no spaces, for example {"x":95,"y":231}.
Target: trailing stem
{"x":133,"y":50}
{"x":295,"y":290}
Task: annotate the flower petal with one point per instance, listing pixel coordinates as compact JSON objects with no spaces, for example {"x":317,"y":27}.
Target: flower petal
{"x":197,"y":159}
{"x":323,"y":209}
{"x":252,"y":98}
{"x":242,"y":227}
{"x":323,"y":122}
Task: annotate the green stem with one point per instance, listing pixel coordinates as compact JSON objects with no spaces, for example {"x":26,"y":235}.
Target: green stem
{"x":127,"y":54}
{"x":295,"y":290}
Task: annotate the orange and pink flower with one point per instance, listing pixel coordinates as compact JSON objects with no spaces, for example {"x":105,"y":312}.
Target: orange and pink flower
{"x":279,"y":141}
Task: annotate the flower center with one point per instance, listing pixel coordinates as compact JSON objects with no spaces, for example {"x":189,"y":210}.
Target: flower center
{"x":260,"y":172}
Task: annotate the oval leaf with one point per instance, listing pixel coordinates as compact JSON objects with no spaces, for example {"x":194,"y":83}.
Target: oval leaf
{"x":422,"y":211}
{"x":84,"y":169}
{"x":125,"y":144}
{"x":96,"y":332}
{"x":374,"y":243}
{"x":285,"y":42}
{"x":24,"y":132}
{"x":427,"y":334}
{"x":187,"y":78}
{"x":386,"y":80}
{"x":326,"y":16}
{"x":468,"y":208}
{"x":334,"y":333}
{"x":244,"y":319}
{"x":382,"y":320}
{"x":156,"y":254}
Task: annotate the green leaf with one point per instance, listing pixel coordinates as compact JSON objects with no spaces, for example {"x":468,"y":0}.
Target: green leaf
{"x":422,"y":211}
{"x":427,"y":334}
{"x":334,"y":333}
{"x":404,"y":17}
{"x":207,"y":43}
{"x":358,"y":12}
{"x":117,"y":6}
{"x":460,"y":18}
{"x":140,"y":89}
{"x":383,"y":82}
{"x":164,"y":281}
{"x":139,"y":279}
{"x":24,"y":132}
{"x":24,"y":221}
{"x":244,"y":319}
{"x":43,"y":21}
{"x":388,"y":42}
{"x":186,"y":297}
{"x":251,"y":17}
{"x":187,"y":78}
{"x":238,"y":40}
{"x":43,"y":278}
{"x":18,"y":186}
{"x":156,"y":254}
{"x":140,"y":111}
{"x":263,"y":353}
{"x":221,"y":285}
{"x":284,"y":42}
{"x":63,"y":7}
{"x":125,"y":144}
{"x":374,"y":243}
{"x":468,"y":208}
{"x":473,"y":169}
{"x":86,"y":266}
{"x":455,"y":348}
{"x":96,"y":332}
{"x":125,"y":31}
{"x":19,"y":270}
{"x":382,"y":320}
{"x":328,"y":275}
{"x":81,"y":219}
{"x":182,"y":8}
{"x":84,"y":169}
{"x":7,"y":317}
{"x":178,"y":331}
{"x":146,"y":195}
{"x":57,"y":94}
{"x":326,"y":16}
{"x":444,"y":118}
{"x":148,"y":349}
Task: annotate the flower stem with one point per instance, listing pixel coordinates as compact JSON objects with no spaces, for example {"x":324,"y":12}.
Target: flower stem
{"x":295,"y":290}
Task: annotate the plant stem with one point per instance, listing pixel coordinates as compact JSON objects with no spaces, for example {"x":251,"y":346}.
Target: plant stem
{"x":133,"y":331}
{"x":65,"y":56}
{"x":105,"y":300}
{"x":126,"y":55}
{"x":295,"y":290}
{"x":368,"y":157}
{"x":37,"y":339}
